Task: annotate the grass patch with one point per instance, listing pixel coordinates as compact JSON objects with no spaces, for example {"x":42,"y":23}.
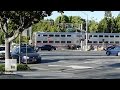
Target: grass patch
{"x":20,"y":67}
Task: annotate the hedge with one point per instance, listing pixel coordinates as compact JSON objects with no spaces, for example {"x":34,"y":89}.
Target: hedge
{"x":20,"y":67}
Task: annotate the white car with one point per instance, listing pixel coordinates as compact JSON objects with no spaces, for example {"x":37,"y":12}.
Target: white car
{"x":2,"y":52}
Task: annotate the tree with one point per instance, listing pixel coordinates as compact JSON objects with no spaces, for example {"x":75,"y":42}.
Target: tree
{"x":24,"y":39}
{"x":22,"y":20}
{"x":117,"y":23}
{"x":93,"y":26}
{"x":108,"y":18}
{"x":102,"y":27}
{"x":76,"y":21}
{"x":108,"y":14}
{"x":61,"y":20}
{"x":2,"y":40}
{"x":45,"y":26}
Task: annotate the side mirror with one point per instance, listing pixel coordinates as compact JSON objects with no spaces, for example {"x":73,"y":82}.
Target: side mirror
{"x":36,"y":49}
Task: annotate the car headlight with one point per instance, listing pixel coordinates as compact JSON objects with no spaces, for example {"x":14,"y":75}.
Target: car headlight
{"x":26,"y":57}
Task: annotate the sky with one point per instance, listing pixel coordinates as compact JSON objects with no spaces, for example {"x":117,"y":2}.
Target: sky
{"x":96,"y":15}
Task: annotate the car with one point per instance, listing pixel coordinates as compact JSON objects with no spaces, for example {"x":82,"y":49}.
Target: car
{"x":47,"y":47}
{"x":27,"y":55}
{"x":2,"y":52}
{"x":109,"y":47}
{"x":113,"y":51}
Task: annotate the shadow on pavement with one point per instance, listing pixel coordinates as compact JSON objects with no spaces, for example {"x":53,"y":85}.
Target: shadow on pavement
{"x":73,"y":55}
{"x":114,"y":65}
{"x":48,"y":61}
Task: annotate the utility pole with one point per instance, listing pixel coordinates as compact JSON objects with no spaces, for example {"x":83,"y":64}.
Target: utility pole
{"x":19,"y":47}
{"x":86,"y":30}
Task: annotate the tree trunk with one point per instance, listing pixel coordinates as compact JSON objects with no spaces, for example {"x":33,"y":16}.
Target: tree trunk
{"x":7,"y":49}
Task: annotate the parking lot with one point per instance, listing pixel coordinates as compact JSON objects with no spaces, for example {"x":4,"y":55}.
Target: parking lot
{"x":73,"y":64}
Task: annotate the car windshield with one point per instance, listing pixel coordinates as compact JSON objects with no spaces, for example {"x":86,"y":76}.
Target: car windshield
{"x":29,"y":50}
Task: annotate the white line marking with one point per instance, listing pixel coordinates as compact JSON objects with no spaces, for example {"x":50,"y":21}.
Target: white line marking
{"x":79,"y":67}
{"x":54,"y":65}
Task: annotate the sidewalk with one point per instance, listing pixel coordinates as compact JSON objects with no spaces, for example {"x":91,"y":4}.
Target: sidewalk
{"x":10,"y":76}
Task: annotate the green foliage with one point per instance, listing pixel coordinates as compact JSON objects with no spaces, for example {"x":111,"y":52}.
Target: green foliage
{"x":93,"y":26}
{"x":102,"y":27}
{"x":117,"y":23}
{"x":108,"y":14}
{"x":20,"y":67}
{"x":2,"y":67}
{"x":62,"y":19}
{"x":64,"y":23}
{"x":2,"y":40}
{"x":23,"y":39}
{"x":45,"y":26}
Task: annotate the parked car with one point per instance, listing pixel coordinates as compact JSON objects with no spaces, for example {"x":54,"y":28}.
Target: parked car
{"x":47,"y":47}
{"x":113,"y":51}
{"x":109,"y":47}
{"x":2,"y":52}
{"x":32,"y":55}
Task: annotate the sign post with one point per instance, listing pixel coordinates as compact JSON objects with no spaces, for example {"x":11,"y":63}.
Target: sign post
{"x":10,"y":65}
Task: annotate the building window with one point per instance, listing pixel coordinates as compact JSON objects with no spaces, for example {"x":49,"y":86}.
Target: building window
{"x":106,"y":41}
{"x":116,"y":41}
{"x":39,"y":35}
{"x":100,"y":35}
{"x":51,"y":35}
{"x":38,"y":41}
{"x":106,"y":36}
{"x":45,"y":35}
{"x":68,"y":35}
{"x":116,"y":36}
{"x":68,"y":41}
{"x":57,"y":35}
{"x":50,"y":41}
{"x":111,"y":42}
{"x":100,"y":42}
{"x":89,"y":41}
{"x":94,"y":41}
{"x":57,"y":41}
{"x":62,"y":35}
{"x":95,"y":35}
{"x":62,"y":41}
{"x":111,"y":36}
{"x":44,"y":41}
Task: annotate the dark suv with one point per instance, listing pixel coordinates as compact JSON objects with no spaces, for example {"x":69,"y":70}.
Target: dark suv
{"x":31,"y":57}
{"x":47,"y":47}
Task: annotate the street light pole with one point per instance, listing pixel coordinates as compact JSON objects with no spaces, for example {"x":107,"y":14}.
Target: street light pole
{"x":86,"y":30}
{"x":87,"y":33}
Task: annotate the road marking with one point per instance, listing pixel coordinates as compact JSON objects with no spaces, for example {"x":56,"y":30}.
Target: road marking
{"x":54,"y":65}
{"x":79,"y":67}
{"x":39,"y":68}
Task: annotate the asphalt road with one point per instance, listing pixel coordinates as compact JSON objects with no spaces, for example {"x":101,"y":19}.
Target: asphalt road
{"x":70,"y":64}
{"x":74,"y":65}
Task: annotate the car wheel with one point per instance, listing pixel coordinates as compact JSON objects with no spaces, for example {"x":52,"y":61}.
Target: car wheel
{"x":52,"y":49}
{"x":38,"y":61}
{"x":108,"y":53}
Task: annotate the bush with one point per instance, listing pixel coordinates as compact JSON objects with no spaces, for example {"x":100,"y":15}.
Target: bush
{"x":2,"y":67}
{"x":20,"y":67}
